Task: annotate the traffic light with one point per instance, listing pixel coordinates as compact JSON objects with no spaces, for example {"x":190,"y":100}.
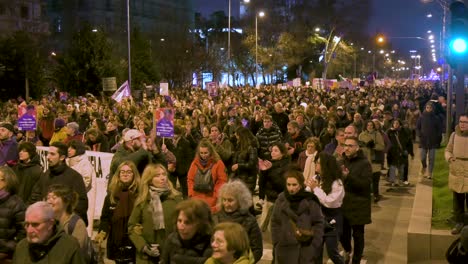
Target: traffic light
{"x":458,"y":41}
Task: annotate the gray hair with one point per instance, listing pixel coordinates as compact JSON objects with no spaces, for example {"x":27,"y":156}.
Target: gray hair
{"x":239,"y":191}
{"x":44,"y":207}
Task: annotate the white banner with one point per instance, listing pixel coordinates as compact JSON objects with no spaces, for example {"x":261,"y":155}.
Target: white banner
{"x":101,"y":162}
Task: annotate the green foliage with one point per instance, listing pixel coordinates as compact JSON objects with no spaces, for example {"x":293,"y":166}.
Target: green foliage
{"x":23,"y":55}
{"x":441,"y":194}
{"x":88,"y":59}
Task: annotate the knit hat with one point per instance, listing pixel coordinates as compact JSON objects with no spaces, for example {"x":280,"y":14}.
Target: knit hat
{"x":8,"y":126}
{"x":59,"y":123}
{"x":29,"y":147}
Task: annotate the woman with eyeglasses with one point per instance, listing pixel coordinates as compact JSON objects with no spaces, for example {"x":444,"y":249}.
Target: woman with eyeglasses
{"x":64,"y":200}
{"x":118,"y":206}
{"x":152,"y":217}
{"x":12,"y":211}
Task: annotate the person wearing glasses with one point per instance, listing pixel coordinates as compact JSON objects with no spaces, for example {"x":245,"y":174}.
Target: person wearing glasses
{"x":118,"y":206}
{"x":45,"y":241}
{"x":456,"y":154}
{"x":356,"y":205}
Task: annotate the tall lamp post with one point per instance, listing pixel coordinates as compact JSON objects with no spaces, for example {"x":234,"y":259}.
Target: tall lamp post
{"x":259,"y":14}
{"x":229,"y":43}
{"x":128,"y":47}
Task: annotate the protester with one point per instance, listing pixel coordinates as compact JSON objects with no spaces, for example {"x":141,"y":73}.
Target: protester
{"x":296,"y":223}
{"x":45,"y":241}
{"x":401,"y":148}
{"x":153,"y":214}
{"x":190,"y":242}
{"x":206,"y":175}
{"x":11,"y":214}
{"x":245,"y":161}
{"x":235,"y":201}
{"x":306,"y":161}
{"x":230,"y":245}
{"x":118,"y":206}
{"x":73,"y":132}
{"x":60,"y":131}
{"x":28,"y":170}
{"x":8,"y":145}
{"x":96,"y":140}
{"x":457,"y":156}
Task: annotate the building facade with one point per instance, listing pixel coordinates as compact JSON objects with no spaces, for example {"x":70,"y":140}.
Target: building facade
{"x":22,"y":15}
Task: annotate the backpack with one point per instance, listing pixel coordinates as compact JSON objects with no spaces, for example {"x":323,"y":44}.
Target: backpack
{"x":88,"y":250}
{"x":454,"y":254}
{"x":203,"y":181}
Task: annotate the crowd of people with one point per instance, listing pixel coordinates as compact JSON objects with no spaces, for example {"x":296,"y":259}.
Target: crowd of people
{"x":314,"y":158}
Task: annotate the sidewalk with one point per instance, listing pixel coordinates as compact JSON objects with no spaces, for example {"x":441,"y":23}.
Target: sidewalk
{"x":386,"y":237}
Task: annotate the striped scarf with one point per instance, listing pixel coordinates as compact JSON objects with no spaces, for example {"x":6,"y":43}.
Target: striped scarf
{"x":156,"y":208}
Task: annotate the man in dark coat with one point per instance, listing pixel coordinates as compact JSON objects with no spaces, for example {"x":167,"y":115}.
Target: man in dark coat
{"x":46,"y":242}
{"x":60,"y":173}
{"x":357,"y":201}
{"x":429,"y":130}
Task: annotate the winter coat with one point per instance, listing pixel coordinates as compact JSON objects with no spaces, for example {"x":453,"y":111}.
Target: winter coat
{"x":12,"y":211}
{"x":28,"y":175}
{"x":141,"y":158}
{"x":373,"y":152}
{"x":81,"y":164}
{"x":247,"y":167}
{"x":401,"y":146}
{"x":115,"y":226}
{"x":8,"y":152}
{"x":46,"y":124}
{"x":184,"y":154}
{"x":218,"y":173}
{"x":62,"y":174}
{"x":140,"y":225}
{"x":357,"y":201}
{"x":266,"y":138}
{"x":101,"y":144}
{"x":457,"y":148}
{"x":429,"y":130}
{"x":59,"y":248}
{"x":195,"y":251}
{"x":307,"y":216}
{"x":281,"y":119}
{"x":59,"y":136}
{"x":273,"y":178}
{"x":249,"y":222}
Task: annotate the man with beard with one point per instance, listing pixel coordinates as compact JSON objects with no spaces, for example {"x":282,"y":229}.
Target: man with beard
{"x":357,"y":201}
{"x":45,"y":241}
{"x":60,"y":173}
{"x":8,"y":145}
{"x":294,"y":140}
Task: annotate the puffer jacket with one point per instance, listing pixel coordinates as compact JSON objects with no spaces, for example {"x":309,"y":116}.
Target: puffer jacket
{"x":12,"y":211}
{"x":266,"y":138}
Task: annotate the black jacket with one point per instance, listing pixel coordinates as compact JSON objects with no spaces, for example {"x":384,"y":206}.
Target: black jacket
{"x":62,"y":174}
{"x":357,"y":200}
{"x":401,"y":147}
{"x":195,"y":251}
{"x":274,"y":180}
{"x":184,"y":153}
{"x":249,"y":222}
{"x":247,"y":167}
{"x":28,"y":175}
{"x":12,"y":211}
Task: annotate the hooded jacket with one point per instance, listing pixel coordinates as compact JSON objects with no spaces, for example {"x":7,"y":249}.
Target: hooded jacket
{"x":28,"y":175}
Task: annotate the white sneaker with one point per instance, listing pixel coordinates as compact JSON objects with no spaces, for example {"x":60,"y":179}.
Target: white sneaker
{"x":406,"y":183}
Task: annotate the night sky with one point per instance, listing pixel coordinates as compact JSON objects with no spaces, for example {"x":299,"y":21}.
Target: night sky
{"x":395,"y":18}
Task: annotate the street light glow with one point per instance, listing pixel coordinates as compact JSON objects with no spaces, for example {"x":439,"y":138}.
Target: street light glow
{"x":261,"y":14}
{"x":317,"y":29}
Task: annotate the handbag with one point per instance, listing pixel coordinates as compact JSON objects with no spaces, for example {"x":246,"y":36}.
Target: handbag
{"x":203,"y":181}
{"x":302,"y":235}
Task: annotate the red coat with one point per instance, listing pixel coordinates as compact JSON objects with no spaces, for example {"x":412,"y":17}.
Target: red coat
{"x":218,"y":173}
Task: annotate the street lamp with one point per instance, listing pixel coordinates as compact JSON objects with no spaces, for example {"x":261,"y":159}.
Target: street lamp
{"x":260,"y":14}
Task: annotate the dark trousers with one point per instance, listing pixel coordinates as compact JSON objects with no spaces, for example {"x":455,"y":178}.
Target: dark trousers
{"x":182,"y":181}
{"x":375,"y":183}
{"x":460,"y":202}
{"x":357,"y":233}
{"x":405,"y":170}
{"x":331,"y":242}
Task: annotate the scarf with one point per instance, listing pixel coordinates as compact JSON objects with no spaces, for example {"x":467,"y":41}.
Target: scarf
{"x":309,"y":168}
{"x":125,"y":200}
{"x":3,"y":194}
{"x":157,"y":210}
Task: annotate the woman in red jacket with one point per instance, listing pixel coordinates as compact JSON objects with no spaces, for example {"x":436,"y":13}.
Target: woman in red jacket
{"x":206,"y":175}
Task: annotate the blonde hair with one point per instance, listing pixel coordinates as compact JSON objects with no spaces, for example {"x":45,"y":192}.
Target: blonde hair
{"x":116,"y":185}
{"x":146,"y":179}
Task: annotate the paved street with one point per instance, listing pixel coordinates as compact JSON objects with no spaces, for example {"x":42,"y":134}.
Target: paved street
{"x":386,"y":237}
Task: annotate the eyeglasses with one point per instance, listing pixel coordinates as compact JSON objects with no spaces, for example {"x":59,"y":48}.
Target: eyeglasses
{"x":126,"y":172}
{"x":34,"y":224}
{"x":349,"y":145}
